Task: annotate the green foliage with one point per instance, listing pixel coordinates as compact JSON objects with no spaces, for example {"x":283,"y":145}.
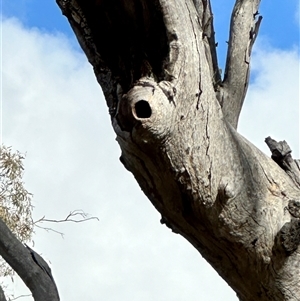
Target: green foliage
{"x":15,"y":200}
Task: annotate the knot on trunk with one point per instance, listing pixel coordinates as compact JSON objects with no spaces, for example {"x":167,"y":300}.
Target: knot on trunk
{"x":290,"y":236}
{"x":145,"y":111}
{"x":294,"y":208}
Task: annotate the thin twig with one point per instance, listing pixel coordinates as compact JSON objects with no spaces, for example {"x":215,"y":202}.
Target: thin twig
{"x":22,"y":296}
{"x":50,"y":229}
{"x":68,"y":218}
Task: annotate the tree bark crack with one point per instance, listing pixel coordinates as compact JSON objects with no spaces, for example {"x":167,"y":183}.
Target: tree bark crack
{"x":243,"y":32}
{"x":198,"y":52}
{"x":209,"y":183}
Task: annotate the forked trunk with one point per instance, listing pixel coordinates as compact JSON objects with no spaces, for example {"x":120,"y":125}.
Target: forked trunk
{"x":175,"y":122}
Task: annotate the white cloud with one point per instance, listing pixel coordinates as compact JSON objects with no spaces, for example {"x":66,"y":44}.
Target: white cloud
{"x":272,"y":105}
{"x":54,"y":110}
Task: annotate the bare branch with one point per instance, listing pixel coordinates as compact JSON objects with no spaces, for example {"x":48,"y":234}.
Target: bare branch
{"x":281,"y":154}
{"x":204,"y":10}
{"x":243,"y":32}
{"x":21,"y":296}
{"x":51,"y":230}
{"x":69,"y":218}
{"x":21,"y":260}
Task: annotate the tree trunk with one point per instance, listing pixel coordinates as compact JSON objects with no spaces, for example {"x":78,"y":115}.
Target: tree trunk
{"x":176,"y":120}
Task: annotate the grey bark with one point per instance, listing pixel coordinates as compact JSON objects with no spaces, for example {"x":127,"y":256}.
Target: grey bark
{"x":20,"y":258}
{"x":176,"y":126}
{"x":281,"y":154}
{"x":243,"y":32}
{"x":2,"y":296}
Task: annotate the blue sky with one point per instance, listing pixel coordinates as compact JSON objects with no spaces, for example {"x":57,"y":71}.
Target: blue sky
{"x":54,"y":110}
{"x":280,"y":26}
{"x":45,"y":14}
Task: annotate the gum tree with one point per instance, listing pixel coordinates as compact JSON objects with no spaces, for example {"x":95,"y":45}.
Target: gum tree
{"x":16,"y":229}
{"x":176,"y":119}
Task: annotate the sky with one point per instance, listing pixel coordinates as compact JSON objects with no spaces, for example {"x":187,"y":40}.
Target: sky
{"x":54,"y":111}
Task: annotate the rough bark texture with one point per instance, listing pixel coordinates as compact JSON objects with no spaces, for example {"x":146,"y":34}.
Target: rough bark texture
{"x":23,"y":261}
{"x":281,"y":154}
{"x":175,"y":122}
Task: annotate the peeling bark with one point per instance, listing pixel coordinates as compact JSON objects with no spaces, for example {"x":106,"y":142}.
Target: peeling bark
{"x":176,"y":127}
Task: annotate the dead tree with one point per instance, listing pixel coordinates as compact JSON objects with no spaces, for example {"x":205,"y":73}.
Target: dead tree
{"x":175,"y":120}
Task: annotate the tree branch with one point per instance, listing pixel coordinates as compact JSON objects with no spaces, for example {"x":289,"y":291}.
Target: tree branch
{"x":203,"y":7}
{"x":281,"y":154}
{"x":19,"y":297}
{"x":243,"y":31}
{"x":68,"y":218}
{"x":21,"y":260}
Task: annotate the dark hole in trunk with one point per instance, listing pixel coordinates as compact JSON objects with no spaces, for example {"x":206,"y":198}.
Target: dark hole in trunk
{"x":143,"y":109}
